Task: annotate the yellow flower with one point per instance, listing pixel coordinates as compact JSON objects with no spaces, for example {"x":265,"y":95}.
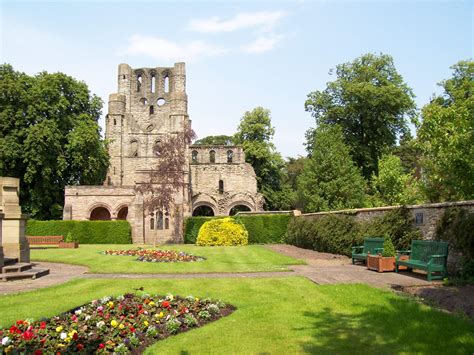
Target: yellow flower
{"x":67,"y":340}
{"x":59,"y":329}
{"x":146,"y":323}
{"x":110,"y":304}
{"x":71,"y":333}
{"x":121,"y":326}
{"x":161,"y":314}
{"x":9,"y":349}
{"x":197,"y":299}
{"x":151,"y":303}
{"x":114,"y":323}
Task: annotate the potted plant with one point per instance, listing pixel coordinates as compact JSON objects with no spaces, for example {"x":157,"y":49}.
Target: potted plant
{"x":69,"y":242}
{"x":384,"y":261}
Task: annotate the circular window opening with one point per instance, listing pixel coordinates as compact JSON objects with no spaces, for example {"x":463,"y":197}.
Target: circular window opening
{"x":160,"y":102}
{"x":144,"y":101}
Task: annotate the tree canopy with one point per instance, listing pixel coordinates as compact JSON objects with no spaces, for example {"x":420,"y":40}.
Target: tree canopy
{"x":446,"y":137}
{"x":370,"y":101}
{"x":49,"y":137}
{"x":216,"y":140}
{"x":330,"y":180}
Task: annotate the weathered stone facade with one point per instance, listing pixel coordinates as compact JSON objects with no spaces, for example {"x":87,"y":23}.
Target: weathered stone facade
{"x":150,"y":105}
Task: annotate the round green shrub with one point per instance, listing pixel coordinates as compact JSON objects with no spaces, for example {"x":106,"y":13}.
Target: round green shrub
{"x":225,"y":231}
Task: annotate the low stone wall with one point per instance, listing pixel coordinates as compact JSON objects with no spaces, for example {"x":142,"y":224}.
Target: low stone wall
{"x":425,"y":217}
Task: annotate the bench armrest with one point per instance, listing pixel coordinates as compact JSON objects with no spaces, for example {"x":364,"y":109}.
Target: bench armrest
{"x":378,"y":250}
{"x":403,"y":252}
{"x":432,"y":257}
{"x":357,"y":247}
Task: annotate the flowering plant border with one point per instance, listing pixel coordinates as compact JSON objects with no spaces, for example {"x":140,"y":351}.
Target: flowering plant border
{"x":156,"y":255}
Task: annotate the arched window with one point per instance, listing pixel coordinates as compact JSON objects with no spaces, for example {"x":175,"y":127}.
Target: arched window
{"x":157,"y":148}
{"x":221,"y":186}
{"x":152,"y":223}
{"x":212,"y":156}
{"x":143,"y":101}
{"x":159,"y":223}
{"x":167,"y":83}
{"x":115,"y":122}
{"x":122,"y":214}
{"x":134,"y":148}
{"x":230,"y":156}
{"x":203,"y":210}
{"x":152,"y":110}
{"x":153,"y":83}
{"x":194,"y":156}
{"x":167,"y":221}
{"x":100,"y":214}
{"x":139,"y":82}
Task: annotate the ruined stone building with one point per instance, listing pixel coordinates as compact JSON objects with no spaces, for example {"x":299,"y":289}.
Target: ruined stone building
{"x":151,"y":104}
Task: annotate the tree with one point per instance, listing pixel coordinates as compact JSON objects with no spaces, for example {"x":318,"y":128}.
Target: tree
{"x":49,"y":138}
{"x":446,"y":138}
{"x":255,"y":133}
{"x":330,"y":180}
{"x":393,"y":186}
{"x":370,"y":101}
{"x":215,"y":140}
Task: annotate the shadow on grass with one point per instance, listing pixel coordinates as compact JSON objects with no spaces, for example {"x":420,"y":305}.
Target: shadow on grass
{"x":401,"y":326}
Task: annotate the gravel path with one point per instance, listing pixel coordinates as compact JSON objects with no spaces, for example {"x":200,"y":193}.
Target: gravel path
{"x":321,"y":268}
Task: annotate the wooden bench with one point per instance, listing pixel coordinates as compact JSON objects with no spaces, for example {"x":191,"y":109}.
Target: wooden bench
{"x":44,"y":239}
{"x":371,"y":245}
{"x":428,"y":255}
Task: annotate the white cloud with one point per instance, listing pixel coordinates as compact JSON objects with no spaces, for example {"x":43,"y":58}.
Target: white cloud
{"x":265,"y":19}
{"x":163,"y":49}
{"x":263,"y":44}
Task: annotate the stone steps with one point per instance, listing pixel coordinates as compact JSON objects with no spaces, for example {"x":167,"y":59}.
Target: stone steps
{"x":18,"y":267}
{"x":28,"y":274}
{"x":9,"y":261}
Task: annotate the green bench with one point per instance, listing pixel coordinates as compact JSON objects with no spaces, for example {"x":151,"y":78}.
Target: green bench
{"x":371,"y":245}
{"x":428,"y":255}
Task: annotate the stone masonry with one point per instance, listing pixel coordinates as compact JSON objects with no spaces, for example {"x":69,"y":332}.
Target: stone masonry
{"x":150,"y":105}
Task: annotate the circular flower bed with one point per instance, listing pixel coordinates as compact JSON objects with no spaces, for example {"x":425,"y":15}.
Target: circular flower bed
{"x":121,"y":325}
{"x":157,"y":256}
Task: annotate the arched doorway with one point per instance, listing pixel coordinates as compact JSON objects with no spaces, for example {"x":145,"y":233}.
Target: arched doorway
{"x":100,"y":214}
{"x":122,"y":213}
{"x":238,"y":208}
{"x":203,"y":210}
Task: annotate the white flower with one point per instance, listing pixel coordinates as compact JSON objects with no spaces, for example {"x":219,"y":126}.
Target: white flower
{"x":63,"y":335}
{"x":88,"y":317}
{"x":100,"y":324}
{"x":6,"y":341}
{"x":78,"y":312}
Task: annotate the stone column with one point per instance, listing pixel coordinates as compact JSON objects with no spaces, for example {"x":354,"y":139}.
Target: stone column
{"x":14,"y":242}
{"x":2,"y":263}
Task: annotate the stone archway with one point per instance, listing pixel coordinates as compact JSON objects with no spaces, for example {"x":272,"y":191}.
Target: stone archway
{"x":239,"y":208}
{"x":122,"y":213}
{"x":100,"y":214}
{"x":203,"y":210}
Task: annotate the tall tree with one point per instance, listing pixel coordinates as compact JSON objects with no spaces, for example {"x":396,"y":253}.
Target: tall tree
{"x":393,"y":186}
{"x":370,"y":101}
{"x":446,"y":137}
{"x":330,"y":180}
{"x":49,"y":137}
{"x":255,"y":134}
{"x":216,"y":140}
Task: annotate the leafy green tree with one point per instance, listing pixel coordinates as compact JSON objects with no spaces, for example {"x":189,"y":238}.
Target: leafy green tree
{"x":410,"y":154}
{"x":216,"y":140}
{"x":49,"y":137}
{"x":255,"y":134}
{"x":446,"y":137}
{"x":330,"y":180}
{"x":393,"y":186}
{"x":370,"y":101}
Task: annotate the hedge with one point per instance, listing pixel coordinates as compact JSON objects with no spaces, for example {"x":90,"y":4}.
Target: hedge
{"x":270,"y":228}
{"x":338,"y":233}
{"x":85,"y":232}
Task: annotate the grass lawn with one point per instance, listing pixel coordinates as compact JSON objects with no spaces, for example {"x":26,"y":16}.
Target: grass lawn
{"x":280,"y":315}
{"x":251,"y":258}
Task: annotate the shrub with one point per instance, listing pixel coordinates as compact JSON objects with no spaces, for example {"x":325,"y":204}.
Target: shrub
{"x":338,"y":233}
{"x":388,"y":248}
{"x":84,"y":232}
{"x":269,"y":228}
{"x":223,"y":231}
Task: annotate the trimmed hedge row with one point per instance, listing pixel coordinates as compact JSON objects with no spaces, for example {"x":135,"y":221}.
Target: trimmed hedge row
{"x":85,"y":232}
{"x":269,"y":228}
{"x":338,"y":233}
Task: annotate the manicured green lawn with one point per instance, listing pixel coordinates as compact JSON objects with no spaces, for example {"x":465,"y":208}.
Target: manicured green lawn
{"x":251,"y":258}
{"x":273,"y":316}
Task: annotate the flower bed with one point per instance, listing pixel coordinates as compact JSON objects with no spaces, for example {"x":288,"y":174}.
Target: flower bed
{"x":121,"y":325}
{"x":156,"y":256}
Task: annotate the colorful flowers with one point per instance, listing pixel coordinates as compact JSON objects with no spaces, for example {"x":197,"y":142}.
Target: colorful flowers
{"x":156,"y":256}
{"x":111,"y":325}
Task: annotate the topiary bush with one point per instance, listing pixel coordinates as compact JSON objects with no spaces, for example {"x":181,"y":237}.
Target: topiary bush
{"x":388,"y":248}
{"x":224,"y":231}
{"x":85,"y":232}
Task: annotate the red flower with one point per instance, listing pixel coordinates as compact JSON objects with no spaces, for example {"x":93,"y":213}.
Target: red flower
{"x":165,"y":304}
{"x":14,"y":329}
{"x":80,"y":347}
{"x":42,"y":325}
{"x":75,"y":336}
{"x":38,"y":352}
{"x":19,"y":322}
{"x":132,"y":329}
{"x":27,"y":335}
{"x":101,"y":346}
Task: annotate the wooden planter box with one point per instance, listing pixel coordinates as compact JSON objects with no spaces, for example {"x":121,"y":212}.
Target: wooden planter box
{"x":70,"y":245}
{"x":380,"y":263}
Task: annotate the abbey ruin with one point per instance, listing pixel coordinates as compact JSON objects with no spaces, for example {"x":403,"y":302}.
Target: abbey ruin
{"x":150,"y":105}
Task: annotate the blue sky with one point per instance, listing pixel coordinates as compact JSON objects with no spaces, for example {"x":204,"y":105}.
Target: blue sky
{"x":239,"y":55}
